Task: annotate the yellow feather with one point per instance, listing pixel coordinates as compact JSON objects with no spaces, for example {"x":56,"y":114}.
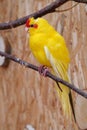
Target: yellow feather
{"x":49,"y":48}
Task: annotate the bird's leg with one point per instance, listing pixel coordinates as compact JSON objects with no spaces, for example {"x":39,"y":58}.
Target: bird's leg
{"x":43,"y":70}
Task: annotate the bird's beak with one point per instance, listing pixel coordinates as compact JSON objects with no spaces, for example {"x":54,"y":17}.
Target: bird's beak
{"x":26,"y":29}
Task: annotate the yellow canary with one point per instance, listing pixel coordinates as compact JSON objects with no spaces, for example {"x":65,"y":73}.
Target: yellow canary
{"x":49,"y":48}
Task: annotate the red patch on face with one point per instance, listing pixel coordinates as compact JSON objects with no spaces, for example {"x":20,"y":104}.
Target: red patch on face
{"x":28,"y":23}
{"x":35,"y":25}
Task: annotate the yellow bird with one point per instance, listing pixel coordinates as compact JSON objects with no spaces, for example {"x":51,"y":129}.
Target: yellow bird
{"x":49,"y":48}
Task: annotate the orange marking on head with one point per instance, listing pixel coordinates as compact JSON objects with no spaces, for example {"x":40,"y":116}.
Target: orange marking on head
{"x":35,"y":25}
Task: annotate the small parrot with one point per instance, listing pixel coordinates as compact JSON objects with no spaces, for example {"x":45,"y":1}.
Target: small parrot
{"x":49,"y":48}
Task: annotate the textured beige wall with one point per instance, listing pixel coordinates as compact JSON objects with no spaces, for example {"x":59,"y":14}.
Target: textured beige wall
{"x":25,"y":96}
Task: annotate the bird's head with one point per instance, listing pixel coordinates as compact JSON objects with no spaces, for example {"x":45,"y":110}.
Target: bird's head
{"x":34,"y":26}
{"x":31,"y":24}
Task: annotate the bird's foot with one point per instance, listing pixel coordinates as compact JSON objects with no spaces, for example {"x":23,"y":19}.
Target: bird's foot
{"x":43,"y":70}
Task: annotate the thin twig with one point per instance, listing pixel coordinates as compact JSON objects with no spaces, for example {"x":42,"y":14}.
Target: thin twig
{"x":48,"y":74}
{"x":67,"y":9}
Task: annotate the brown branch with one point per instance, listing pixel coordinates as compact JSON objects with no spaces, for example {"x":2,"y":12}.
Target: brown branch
{"x":80,"y":1}
{"x":48,"y":9}
{"x":48,"y":74}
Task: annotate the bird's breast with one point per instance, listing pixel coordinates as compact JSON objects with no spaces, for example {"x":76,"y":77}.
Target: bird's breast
{"x":37,"y":44}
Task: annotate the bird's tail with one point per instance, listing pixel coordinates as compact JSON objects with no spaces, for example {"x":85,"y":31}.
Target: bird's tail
{"x":65,"y":100}
{"x":64,"y":95}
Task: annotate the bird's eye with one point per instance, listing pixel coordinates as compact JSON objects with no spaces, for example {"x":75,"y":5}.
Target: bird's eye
{"x":32,"y":25}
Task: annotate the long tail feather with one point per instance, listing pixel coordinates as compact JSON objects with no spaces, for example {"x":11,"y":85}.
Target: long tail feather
{"x":65,"y":94}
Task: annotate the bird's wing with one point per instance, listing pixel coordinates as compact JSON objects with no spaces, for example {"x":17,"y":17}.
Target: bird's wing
{"x":58,"y":66}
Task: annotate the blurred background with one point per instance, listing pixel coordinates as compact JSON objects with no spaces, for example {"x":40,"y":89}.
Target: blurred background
{"x":25,"y":96}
